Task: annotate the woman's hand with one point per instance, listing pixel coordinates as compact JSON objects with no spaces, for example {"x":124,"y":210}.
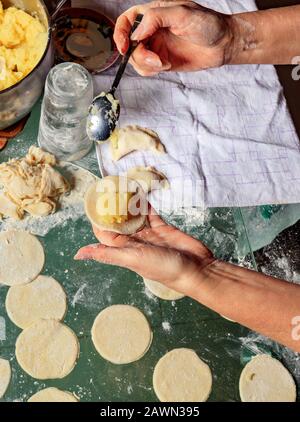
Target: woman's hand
{"x":175,"y":35}
{"x":159,"y":252}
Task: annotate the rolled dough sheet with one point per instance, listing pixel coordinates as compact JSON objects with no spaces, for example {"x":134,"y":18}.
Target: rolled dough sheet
{"x":22,"y":257}
{"x":47,"y":349}
{"x":161,"y":291}
{"x":43,"y":298}
{"x":265,"y":379}
{"x":5,"y":376}
{"x":181,"y":376}
{"x":121,"y":334}
{"x":52,"y":395}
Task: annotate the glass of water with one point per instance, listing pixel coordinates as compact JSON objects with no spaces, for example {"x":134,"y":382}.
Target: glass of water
{"x":68,"y":94}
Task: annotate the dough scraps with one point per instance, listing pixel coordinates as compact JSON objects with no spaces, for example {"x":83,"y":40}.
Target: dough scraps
{"x":149,"y":178}
{"x":121,"y":334}
{"x":22,"y":257}
{"x":52,"y":395}
{"x":265,"y":379}
{"x":181,"y":376}
{"x":134,"y":138}
{"x":161,"y":291}
{"x":31,"y":184}
{"x":43,"y":298}
{"x":5,"y":376}
{"x":47,"y":349}
{"x":108,"y":205}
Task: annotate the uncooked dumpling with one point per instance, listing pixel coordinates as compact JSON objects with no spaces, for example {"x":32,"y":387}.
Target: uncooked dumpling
{"x":121,"y":334}
{"x":52,"y":395}
{"x":5,"y":376}
{"x":43,"y":298}
{"x":161,"y":291}
{"x":117,"y":207}
{"x":134,"y":138}
{"x":47,"y":349}
{"x":149,"y":178}
{"x":22,"y":257}
{"x":265,"y":379}
{"x":181,"y":376}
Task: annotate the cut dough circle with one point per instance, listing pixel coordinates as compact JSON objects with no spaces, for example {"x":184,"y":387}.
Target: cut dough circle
{"x":121,"y":334}
{"x":181,"y":376}
{"x":265,"y":379}
{"x":133,"y":225}
{"x":52,"y":395}
{"x":47,"y":349}
{"x":161,"y":291}
{"x":5,"y":376}
{"x":22,"y":257}
{"x":43,"y":298}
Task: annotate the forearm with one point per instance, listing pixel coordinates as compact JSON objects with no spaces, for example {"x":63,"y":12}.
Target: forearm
{"x":261,"y":303}
{"x":270,"y":36}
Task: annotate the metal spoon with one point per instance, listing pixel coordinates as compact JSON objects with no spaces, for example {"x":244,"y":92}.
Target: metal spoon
{"x":104,"y":111}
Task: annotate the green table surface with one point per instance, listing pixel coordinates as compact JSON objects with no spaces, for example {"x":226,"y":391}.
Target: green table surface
{"x":91,"y":287}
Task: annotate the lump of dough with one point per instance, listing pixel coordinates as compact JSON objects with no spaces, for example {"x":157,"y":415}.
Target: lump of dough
{"x":31,"y":184}
{"x":181,"y":376}
{"x":52,"y":395}
{"x":162,"y":291}
{"x":5,"y":376}
{"x":134,"y":138}
{"x":121,"y":334}
{"x":149,"y":178}
{"x":116,"y":204}
{"x":21,"y":257}
{"x":265,"y":379}
{"x":47,"y":349}
{"x":43,"y":298}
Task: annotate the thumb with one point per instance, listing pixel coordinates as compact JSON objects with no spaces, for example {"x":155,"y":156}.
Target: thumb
{"x":122,"y":257}
{"x":153,"y":20}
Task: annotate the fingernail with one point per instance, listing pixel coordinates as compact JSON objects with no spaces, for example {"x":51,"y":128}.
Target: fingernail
{"x":153,"y":61}
{"x":81,"y":256}
{"x":137,"y":34}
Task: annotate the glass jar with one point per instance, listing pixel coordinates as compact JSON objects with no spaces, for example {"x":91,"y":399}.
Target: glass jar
{"x":68,"y":95}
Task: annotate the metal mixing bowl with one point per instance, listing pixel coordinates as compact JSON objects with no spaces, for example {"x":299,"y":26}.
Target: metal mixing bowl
{"x":18,"y":100}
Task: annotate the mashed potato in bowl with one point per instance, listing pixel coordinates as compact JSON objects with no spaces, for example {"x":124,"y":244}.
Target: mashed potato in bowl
{"x":23,"y":40}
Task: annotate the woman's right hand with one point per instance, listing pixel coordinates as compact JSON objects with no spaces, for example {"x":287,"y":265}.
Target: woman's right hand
{"x":175,"y":36}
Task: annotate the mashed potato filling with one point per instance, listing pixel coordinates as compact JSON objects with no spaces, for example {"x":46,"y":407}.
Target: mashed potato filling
{"x":23,"y":40}
{"x":112,"y":207}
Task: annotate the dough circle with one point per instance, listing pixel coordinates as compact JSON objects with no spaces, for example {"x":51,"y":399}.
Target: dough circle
{"x":133,"y":225}
{"x":162,"y":291}
{"x":181,"y":376}
{"x":265,"y":379}
{"x":52,"y":395}
{"x":22,"y":257}
{"x":47,"y":349}
{"x":43,"y":298}
{"x":5,"y":376}
{"x":121,"y":334}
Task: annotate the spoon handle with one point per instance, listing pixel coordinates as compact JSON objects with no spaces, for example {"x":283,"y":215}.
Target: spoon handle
{"x":126,"y":57}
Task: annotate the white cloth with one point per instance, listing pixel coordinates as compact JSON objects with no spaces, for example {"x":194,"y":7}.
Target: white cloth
{"x":226,"y":130}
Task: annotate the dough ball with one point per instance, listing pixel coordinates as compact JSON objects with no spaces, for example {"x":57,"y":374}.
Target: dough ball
{"x":181,"y":376}
{"x":162,"y":291}
{"x":22,"y":257}
{"x":121,"y":334}
{"x":265,"y":379}
{"x":52,"y":395}
{"x":47,"y":349}
{"x":5,"y":376}
{"x":43,"y":298}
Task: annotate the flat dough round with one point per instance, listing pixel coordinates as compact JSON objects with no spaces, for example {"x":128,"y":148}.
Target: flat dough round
{"x":52,"y":395}
{"x":47,"y":349}
{"x":133,"y":225}
{"x":5,"y":376}
{"x":22,"y":257}
{"x":43,"y":298}
{"x":121,"y":334}
{"x":181,"y":376}
{"x":265,"y":379}
{"x":162,"y":291}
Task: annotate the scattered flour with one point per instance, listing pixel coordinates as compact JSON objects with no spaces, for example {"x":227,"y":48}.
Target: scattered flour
{"x":166,"y":326}
{"x":79,"y":295}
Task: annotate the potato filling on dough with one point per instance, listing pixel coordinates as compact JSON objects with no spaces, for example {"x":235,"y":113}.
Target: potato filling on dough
{"x":112,"y":207}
